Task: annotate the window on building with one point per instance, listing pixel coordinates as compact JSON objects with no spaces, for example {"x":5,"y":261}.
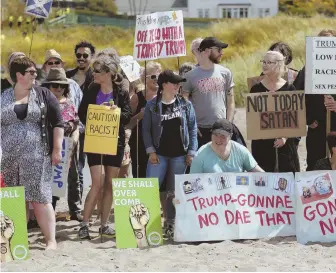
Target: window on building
{"x":261,"y":12}
{"x":207,"y":13}
{"x":267,"y":12}
{"x":243,"y":13}
{"x":200,"y":13}
{"x":224,"y":13}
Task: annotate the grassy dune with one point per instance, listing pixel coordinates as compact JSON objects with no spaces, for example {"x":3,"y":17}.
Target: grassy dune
{"x":248,"y":40}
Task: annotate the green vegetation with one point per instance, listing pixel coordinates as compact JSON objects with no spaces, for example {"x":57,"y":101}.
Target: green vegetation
{"x":248,"y":40}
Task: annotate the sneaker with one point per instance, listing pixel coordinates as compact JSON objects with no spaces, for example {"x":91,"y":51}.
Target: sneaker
{"x":107,"y":232}
{"x":83,"y":233}
{"x":76,"y":216}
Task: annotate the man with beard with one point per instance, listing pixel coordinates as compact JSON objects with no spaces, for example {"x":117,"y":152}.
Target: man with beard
{"x":210,"y":88}
{"x":84,"y":52}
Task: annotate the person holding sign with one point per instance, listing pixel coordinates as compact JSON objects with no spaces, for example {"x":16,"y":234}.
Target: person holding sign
{"x":275,"y":155}
{"x":222,"y":154}
{"x":170,"y":136}
{"x":31,"y":137}
{"x":106,"y":90}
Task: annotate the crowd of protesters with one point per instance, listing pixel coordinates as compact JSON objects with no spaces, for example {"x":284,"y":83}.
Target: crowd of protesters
{"x":170,"y":123}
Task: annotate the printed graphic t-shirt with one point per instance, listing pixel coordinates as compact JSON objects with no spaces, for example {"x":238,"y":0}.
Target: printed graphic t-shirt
{"x":171,"y":142}
{"x":207,"y":161}
{"x":102,"y":97}
{"x":208,"y":90}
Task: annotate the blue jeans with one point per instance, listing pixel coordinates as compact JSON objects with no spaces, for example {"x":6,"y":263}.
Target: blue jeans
{"x":168,"y":167}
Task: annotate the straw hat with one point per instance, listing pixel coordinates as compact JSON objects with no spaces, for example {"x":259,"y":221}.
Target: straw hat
{"x":57,"y":75}
{"x":52,"y":53}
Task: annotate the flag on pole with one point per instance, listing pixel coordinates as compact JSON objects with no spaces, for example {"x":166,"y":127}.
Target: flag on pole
{"x":38,"y":8}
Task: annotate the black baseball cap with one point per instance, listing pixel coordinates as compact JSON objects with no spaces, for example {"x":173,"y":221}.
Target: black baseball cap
{"x":211,"y":42}
{"x":169,"y":76}
{"x":223,"y":127}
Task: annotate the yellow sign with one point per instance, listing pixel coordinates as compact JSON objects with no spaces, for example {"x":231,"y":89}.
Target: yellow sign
{"x":102,"y":130}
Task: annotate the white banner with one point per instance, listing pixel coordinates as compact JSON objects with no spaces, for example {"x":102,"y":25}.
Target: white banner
{"x":130,"y":67}
{"x":320,"y":75}
{"x":229,"y":206}
{"x":159,"y":35}
{"x":60,"y":172}
{"x":316,"y":206}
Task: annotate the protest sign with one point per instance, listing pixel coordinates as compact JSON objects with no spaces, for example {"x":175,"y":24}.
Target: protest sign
{"x":229,"y":206}
{"x":320,"y":77}
{"x":130,"y":67}
{"x":253,"y":81}
{"x":60,"y":171}
{"x":316,"y":206}
{"x":159,"y":35}
{"x":274,"y":115}
{"x":14,"y":236}
{"x":137,"y":212}
{"x":38,"y":8}
{"x":102,"y":130}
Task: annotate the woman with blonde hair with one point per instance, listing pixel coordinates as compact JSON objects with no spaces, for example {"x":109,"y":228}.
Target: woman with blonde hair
{"x":138,"y":102}
{"x":275,"y":155}
{"x":107,"y":86}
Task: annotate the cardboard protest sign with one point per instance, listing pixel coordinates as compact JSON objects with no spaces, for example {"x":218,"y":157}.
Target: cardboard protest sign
{"x":159,"y":35}
{"x":137,"y":212}
{"x":253,"y":81}
{"x":60,"y":172}
{"x":14,"y":236}
{"x":316,"y":206}
{"x":276,"y":114}
{"x":229,"y":206}
{"x":102,"y":130}
{"x":130,"y":67}
{"x":38,"y":8}
{"x":320,"y":77}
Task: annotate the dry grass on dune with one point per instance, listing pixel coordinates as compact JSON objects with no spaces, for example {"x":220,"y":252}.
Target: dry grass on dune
{"x":248,"y":40}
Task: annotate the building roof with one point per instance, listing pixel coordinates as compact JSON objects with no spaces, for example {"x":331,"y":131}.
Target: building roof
{"x":180,"y":4}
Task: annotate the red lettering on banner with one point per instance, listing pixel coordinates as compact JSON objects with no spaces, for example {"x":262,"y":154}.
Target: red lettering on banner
{"x":274,"y":218}
{"x":193,"y":202}
{"x":237,"y":217}
{"x":205,"y":220}
{"x":175,"y":47}
{"x":201,"y":203}
{"x":321,"y":209}
{"x":142,"y":36}
{"x":152,"y":50}
{"x":227,"y":198}
{"x":330,"y":226}
{"x":171,"y":33}
{"x":288,"y":202}
{"x":180,"y":32}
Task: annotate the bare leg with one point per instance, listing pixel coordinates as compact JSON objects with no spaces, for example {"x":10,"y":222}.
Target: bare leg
{"x":111,"y":172}
{"x":45,"y":216}
{"x":93,"y":194}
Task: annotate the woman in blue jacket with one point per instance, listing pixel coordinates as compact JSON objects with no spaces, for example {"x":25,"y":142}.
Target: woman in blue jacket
{"x":170,"y":136}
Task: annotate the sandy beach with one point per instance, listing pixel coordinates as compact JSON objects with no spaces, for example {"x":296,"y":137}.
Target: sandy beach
{"x":277,"y":254}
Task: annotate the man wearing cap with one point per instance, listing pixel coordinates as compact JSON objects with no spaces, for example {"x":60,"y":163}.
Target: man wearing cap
{"x":54,"y":60}
{"x":222,"y":154}
{"x":210,"y":88}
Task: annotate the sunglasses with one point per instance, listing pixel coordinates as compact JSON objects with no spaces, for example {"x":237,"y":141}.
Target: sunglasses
{"x":31,"y":72}
{"x":58,"y":85}
{"x":79,"y":55}
{"x":52,"y":63}
{"x":97,"y":71}
{"x":152,"y":77}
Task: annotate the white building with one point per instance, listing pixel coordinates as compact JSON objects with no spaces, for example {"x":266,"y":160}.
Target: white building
{"x":202,"y":8}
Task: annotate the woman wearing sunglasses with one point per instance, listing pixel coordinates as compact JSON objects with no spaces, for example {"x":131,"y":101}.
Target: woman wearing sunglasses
{"x":170,"y":136}
{"x":107,"y":86}
{"x":31,"y":138}
{"x":58,"y":84}
{"x":275,"y":155}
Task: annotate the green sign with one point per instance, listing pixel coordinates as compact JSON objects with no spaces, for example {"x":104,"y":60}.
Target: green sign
{"x":137,"y":212}
{"x":13,"y":224}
